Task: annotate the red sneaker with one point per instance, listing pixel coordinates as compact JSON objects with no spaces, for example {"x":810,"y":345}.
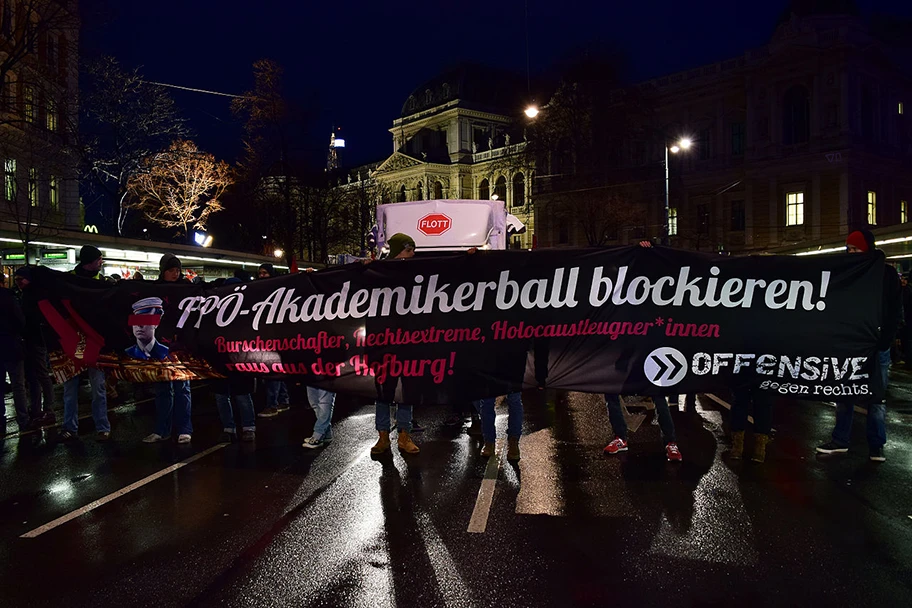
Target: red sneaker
{"x":618,"y":445}
{"x":673,"y":453}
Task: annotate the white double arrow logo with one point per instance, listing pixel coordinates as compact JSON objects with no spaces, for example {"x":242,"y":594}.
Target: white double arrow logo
{"x":665,"y":366}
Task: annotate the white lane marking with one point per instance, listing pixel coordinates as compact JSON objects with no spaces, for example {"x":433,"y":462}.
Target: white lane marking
{"x":101,"y":501}
{"x":726,"y":405}
{"x":478,"y":523}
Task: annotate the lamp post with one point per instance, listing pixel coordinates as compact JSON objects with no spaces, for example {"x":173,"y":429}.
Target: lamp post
{"x":682,"y":144}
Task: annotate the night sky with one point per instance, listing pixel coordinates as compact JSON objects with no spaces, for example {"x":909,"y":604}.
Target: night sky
{"x":358,"y":61}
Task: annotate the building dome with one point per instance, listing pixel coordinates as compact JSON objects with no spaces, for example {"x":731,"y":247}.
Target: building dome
{"x":475,"y":86}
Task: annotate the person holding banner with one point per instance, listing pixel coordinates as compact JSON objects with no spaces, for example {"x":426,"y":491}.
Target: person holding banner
{"x":277,"y":400}
{"x":38,"y":377}
{"x":862,"y":241}
{"x":12,"y":329}
{"x":485,"y":409}
{"x":619,"y":426}
{"x":401,"y":247}
{"x":90,"y":263}
{"x":172,"y":398}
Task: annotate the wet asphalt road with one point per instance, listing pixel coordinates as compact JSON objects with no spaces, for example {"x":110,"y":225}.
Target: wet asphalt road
{"x":273,"y":524}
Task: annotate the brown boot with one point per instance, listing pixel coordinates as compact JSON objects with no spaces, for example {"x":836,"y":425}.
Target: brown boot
{"x":513,"y":448}
{"x":737,"y":449}
{"x":760,"y":442}
{"x":406,"y":444}
{"x":383,"y":444}
{"x":488,"y":449}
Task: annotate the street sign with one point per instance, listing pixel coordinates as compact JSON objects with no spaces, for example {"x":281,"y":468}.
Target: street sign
{"x":434,"y":224}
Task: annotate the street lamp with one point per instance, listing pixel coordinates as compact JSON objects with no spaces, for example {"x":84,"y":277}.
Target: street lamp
{"x":532,"y":111}
{"x":278,"y":253}
{"x":684,"y":143}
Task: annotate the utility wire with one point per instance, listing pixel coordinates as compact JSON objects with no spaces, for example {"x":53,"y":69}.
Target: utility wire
{"x":174,"y":86}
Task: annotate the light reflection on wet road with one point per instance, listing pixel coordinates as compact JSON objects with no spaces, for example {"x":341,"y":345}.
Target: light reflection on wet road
{"x":277,"y":525}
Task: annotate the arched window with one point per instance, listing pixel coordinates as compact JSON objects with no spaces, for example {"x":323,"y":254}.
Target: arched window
{"x":420,"y":191}
{"x":796,"y":122}
{"x":519,"y":190}
{"x":402,"y":198}
{"x":484,"y":190}
{"x":438,"y":190}
{"x":500,"y":188}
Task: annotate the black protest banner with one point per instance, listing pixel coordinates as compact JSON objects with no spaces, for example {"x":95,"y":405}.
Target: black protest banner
{"x":438,"y":329}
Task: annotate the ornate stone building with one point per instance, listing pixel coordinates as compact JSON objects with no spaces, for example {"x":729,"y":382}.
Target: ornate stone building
{"x":460,"y":136}
{"x":39,"y":79}
{"x":794,"y":143}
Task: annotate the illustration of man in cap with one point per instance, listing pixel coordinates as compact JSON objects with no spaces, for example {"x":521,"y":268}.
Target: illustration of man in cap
{"x":146,"y":317}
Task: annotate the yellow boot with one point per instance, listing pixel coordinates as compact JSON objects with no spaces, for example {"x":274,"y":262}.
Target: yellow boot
{"x":383,"y":443}
{"x":406,"y":444}
{"x":760,"y":442}
{"x":513,"y":448}
{"x":737,"y":449}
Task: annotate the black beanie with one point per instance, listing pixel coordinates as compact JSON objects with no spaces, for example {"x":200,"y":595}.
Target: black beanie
{"x":269,"y":268}
{"x":88,"y":254}
{"x":168,"y":261}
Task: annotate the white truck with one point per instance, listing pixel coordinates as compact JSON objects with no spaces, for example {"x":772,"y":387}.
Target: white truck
{"x":448,"y":225}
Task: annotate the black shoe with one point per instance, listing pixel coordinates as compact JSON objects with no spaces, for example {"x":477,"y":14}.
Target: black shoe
{"x":877,"y":455}
{"x":416,"y":428}
{"x":229,"y":437}
{"x":831,"y":448}
{"x":66,"y":435}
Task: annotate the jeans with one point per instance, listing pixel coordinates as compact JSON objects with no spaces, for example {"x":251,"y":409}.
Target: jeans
{"x":485,"y":409}
{"x":226,"y":413}
{"x":763,"y":411}
{"x":99,"y":402}
{"x":172,"y":399}
{"x":876,"y":423}
{"x":276,"y":393}
{"x":619,"y":425}
{"x":16,"y":371}
{"x":322,"y":403}
{"x":403,"y":416}
{"x":38,"y":377}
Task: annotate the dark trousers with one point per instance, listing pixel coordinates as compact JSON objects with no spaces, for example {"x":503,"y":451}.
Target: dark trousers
{"x":763,"y":411}
{"x":38,"y":378}
{"x":16,"y":371}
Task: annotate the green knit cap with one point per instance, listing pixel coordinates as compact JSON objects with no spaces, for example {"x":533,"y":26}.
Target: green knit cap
{"x":398,"y":242}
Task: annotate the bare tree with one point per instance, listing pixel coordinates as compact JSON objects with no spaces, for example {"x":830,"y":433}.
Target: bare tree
{"x":38,"y":43}
{"x":39,"y":39}
{"x":179,"y":188}
{"x":269,"y":170}
{"x":125,"y":121}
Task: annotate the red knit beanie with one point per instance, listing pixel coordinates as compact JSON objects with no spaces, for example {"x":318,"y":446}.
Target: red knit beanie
{"x":857,"y":239}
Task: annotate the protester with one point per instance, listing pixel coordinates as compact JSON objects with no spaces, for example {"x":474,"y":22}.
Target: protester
{"x":37,"y":374}
{"x":90,"y":264}
{"x":862,"y":242}
{"x":172,"y":398}
{"x":235,"y":390}
{"x":401,"y":247}
{"x":138,"y":276}
{"x":485,"y":409}
{"x":277,"y":400}
{"x":322,"y":402}
{"x":763,"y":422}
{"x":12,"y":331}
{"x":619,"y":426}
